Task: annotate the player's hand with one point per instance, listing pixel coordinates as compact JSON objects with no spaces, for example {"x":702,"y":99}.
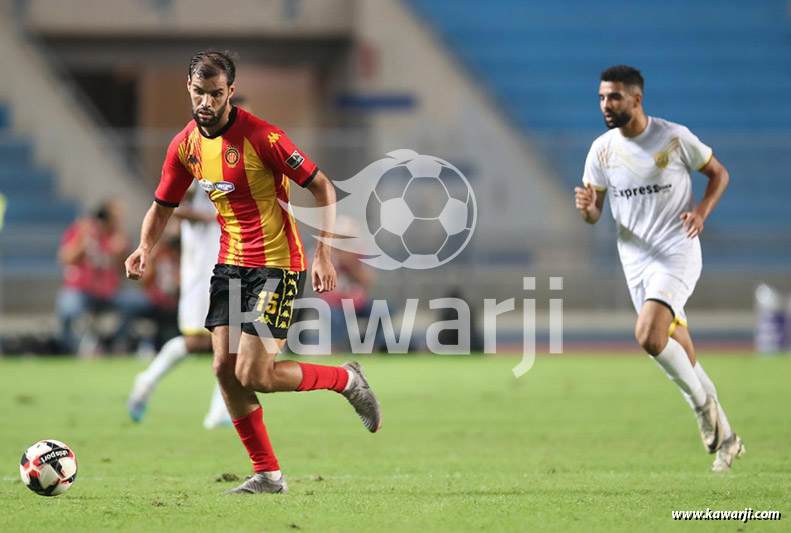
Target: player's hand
{"x":323,"y":275}
{"x":584,"y":198}
{"x":136,"y":264}
{"x":85,"y":228}
{"x":693,"y":223}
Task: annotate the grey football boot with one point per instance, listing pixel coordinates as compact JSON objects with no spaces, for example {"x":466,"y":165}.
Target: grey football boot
{"x":711,"y":431}
{"x":732,"y":448}
{"x":363,"y":398}
{"x":259,"y":483}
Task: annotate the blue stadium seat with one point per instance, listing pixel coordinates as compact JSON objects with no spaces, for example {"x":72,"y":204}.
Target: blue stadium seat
{"x":721,"y":67}
{"x":16,"y":152}
{"x":5,"y":117}
{"x":36,"y":217}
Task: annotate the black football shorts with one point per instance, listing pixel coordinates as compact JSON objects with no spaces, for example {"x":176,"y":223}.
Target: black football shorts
{"x":272,"y":307}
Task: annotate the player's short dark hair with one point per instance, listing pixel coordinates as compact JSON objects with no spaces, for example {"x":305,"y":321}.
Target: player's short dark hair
{"x":102,"y":212}
{"x":624,"y":74}
{"x":210,"y":63}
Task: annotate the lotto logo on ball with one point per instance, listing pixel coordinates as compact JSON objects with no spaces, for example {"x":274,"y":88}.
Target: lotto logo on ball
{"x":409,"y":211}
{"x":48,"y":468}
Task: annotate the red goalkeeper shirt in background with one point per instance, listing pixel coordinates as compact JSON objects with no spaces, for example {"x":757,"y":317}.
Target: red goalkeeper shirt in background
{"x":96,"y":270}
{"x":245,"y":169}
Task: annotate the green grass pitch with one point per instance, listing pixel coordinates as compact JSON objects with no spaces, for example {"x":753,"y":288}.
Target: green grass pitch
{"x":596,"y":443}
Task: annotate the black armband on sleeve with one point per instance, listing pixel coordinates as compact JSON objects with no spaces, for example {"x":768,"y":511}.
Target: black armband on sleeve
{"x":311,"y":178}
{"x":163,"y":203}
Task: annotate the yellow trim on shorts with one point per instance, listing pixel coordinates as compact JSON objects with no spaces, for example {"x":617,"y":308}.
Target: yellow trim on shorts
{"x":701,"y":167}
{"x":672,"y":328}
{"x":196,"y":332}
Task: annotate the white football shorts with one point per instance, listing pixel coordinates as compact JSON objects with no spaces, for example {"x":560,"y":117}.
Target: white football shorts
{"x":200,"y":245}
{"x":670,"y":280}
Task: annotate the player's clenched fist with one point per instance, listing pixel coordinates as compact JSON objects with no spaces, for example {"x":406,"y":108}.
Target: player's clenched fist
{"x":584,"y":198}
{"x":136,"y":264}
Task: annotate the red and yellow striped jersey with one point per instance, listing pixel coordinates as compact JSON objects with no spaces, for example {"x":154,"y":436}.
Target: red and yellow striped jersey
{"x":245,"y":169}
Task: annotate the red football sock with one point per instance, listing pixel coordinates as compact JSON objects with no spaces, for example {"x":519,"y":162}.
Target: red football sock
{"x":316,"y":377}
{"x":252,"y":431}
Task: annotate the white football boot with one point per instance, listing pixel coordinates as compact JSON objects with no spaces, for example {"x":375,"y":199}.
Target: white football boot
{"x":711,"y":431}
{"x":731,"y":449}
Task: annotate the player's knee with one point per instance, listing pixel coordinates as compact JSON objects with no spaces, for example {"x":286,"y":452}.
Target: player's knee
{"x":223,"y":368}
{"x":266,"y":386}
{"x":651,"y":340}
{"x":252,"y":378}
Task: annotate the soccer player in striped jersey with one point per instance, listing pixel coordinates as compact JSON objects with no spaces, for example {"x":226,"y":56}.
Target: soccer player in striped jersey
{"x":644,"y":163}
{"x":245,"y":165}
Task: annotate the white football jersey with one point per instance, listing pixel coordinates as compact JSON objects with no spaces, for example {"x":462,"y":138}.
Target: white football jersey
{"x":648,"y":182}
{"x":200,"y":245}
{"x":200,"y":234}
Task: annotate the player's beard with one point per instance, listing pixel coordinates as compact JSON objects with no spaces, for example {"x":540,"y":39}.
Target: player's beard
{"x":209,"y":122}
{"x":617,"y":120}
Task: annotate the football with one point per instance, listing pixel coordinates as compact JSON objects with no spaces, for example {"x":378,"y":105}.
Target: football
{"x":48,"y":468}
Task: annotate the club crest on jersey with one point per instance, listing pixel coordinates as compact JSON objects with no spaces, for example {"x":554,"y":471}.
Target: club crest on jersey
{"x":231,"y":156}
{"x":295,"y":160}
{"x":224,"y":186}
{"x":206,"y":185}
{"x":661,"y":159}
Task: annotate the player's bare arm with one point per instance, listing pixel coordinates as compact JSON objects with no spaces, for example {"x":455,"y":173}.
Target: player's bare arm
{"x":323,"y":273}
{"x":589,"y":202}
{"x":153,"y":225}
{"x":718,"y":180}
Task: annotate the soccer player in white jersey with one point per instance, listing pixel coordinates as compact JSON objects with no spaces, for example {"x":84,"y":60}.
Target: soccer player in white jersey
{"x":200,"y":244}
{"x":644,"y":164}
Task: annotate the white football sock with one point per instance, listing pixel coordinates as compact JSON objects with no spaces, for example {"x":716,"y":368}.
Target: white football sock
{"x":169,"y":356}
{"x":350,"y":381}
{"x":674,"y":361}
{"x":708,"y":386}
{"x":218,"y":412}
{"x":274,"y":475}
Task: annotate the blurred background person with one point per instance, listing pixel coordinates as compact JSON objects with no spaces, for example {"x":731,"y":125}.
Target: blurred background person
{"x":161,"y":287}
{"x":200,"y":245}
{"x":92,"y":253}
